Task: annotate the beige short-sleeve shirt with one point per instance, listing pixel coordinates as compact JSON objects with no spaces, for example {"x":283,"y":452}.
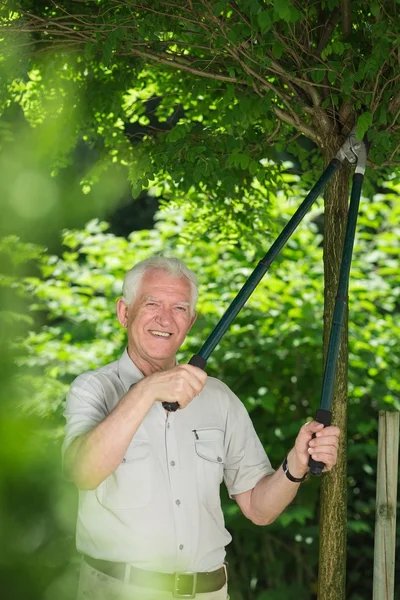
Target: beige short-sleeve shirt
{"x":160,"y":509}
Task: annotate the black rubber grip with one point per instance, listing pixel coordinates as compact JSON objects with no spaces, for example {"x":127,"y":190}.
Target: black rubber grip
{"x":325,"y":417}
{"x":170,"y":406}
{"x":198,"y":361}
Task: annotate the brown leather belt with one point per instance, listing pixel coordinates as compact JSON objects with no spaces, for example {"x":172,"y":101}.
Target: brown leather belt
{"x":181,"y":585}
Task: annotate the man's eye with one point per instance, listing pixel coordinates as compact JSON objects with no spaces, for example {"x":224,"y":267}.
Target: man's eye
{"x":181,"y":308}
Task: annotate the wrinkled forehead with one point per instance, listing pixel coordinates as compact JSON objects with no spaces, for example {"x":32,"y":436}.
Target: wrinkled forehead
{"x":157,"y":284}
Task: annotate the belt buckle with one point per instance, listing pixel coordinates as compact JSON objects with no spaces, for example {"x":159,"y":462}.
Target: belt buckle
{"x":176,"y":593}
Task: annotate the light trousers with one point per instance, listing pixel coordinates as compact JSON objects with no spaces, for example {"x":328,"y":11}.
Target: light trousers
{"x":94,"y":585}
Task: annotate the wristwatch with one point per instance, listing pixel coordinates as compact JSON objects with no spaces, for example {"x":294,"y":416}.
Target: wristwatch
{"x":290,"y":476}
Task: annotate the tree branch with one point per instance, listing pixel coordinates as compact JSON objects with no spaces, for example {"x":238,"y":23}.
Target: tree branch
{"x":182,"y":66}
{"x":393,"y":103}
{"x":263,"y":82}
{"x":274,"y":133}
{"x":179,"y":16}
{"x":31,"y":27}
{"x":237,"y":10}
{"x":394,"y":107}
{"x":346,"y":17}
{"x":345,"y":113}
{"x":299,"y":125}
{"x":302,"y":83}
{"x":378,"y":81}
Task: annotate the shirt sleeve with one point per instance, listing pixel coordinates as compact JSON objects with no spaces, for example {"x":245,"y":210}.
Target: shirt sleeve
{"x":85,"y":408}
{"x":246,"y":460}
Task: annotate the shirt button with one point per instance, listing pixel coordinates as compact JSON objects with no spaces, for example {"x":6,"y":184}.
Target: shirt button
{"x":181,"y":547}
{"x":168,"y":425}
{"x":172,"y":463}
{"x":177,"y":502}
{"x":219,"y":459}
{"x":124,"y":460}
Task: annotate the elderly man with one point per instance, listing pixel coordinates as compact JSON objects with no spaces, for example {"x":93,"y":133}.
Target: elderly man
{"x":150,"y":525}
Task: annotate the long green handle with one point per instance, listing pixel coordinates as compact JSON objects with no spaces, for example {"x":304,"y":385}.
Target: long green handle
{"x":200,"y":359}
{"x":324,"y":414}
{"x":237,"y":304}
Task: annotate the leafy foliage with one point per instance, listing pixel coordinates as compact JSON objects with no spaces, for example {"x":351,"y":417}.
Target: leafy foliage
{"x":199,"y":95}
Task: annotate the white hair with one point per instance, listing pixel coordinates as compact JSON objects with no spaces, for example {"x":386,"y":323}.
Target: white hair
{"x":173,"y":266}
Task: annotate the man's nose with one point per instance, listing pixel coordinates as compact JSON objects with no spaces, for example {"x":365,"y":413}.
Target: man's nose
{"x":164,"y":316}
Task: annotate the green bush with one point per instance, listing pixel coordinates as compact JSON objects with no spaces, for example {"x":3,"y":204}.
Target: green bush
{"x":271,"y":357}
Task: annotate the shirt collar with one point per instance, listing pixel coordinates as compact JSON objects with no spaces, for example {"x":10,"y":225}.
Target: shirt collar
{"x":128,"y":371}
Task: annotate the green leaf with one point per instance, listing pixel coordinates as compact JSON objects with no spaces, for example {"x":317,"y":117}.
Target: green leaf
{"x":282,"y":10}
{"x":295,"y":14}
{"x":107,"y":52}
{"x":264,"y":20}
{"x":338,"y":47}
{"x":327,"y":51}
{"x":375,"y":8}
{"x":136,"y":188}
{"x":317,"y":75}
{"x":382,"y":116}
{"x":331,"y":77}
{"x":364,"y":122}
{"x":175,"y":134}
{"x":253,"y":167}
{"x":193,"y":152}
{"x":295,"y":514}
{"x":244,"y":161}
{"x":358,"y":526}
{"x":278,"y":49}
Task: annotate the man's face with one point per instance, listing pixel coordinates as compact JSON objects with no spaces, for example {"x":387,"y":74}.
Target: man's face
{"x":158,"y":320}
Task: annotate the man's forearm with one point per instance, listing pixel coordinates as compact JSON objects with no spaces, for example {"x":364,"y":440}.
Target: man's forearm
{"x":92,"y":457}
{"x":273,"y":494}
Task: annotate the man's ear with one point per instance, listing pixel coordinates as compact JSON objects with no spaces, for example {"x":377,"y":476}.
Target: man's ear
{"x":192,"y":320}
{"x":122,"y":312}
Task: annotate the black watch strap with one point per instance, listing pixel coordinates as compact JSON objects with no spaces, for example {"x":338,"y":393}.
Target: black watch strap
{"x":290,"y":476}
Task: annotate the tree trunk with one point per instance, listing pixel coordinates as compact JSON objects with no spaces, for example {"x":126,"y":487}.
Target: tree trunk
{"x":333,"y":501}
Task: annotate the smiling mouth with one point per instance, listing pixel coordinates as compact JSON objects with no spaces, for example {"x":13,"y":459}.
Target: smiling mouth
{"x":161,"y":334}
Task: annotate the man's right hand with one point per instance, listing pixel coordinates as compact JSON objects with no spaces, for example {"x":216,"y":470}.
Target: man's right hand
{"x":180,"y":384}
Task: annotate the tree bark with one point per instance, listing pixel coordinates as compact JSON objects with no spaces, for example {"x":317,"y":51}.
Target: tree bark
{"x":333,"y":501}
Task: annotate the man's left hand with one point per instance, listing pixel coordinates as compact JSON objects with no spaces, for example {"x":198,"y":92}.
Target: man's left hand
{"x":323,"y":448}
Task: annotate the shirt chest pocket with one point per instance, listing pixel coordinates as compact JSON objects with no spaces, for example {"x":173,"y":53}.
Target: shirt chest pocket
{"x":131,"y":484}
{"x":210,"y":461}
